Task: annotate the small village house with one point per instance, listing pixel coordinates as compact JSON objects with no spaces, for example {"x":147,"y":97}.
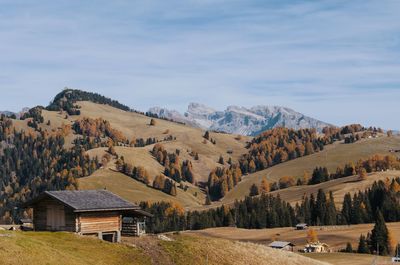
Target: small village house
{"x":316,"y":247}
{"x":283,"y":245}
{"x":301,"y":226}
{"x":87,"y":212}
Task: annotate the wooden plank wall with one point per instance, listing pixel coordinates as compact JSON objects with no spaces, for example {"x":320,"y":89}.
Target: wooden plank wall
{"x":99,"y":222}
{"x":40,"y":216}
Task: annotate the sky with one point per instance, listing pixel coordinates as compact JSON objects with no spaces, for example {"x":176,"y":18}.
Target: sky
{"x":337,"y":61}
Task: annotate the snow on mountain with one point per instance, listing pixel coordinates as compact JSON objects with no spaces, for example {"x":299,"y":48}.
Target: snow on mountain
{"x":241,"y":120}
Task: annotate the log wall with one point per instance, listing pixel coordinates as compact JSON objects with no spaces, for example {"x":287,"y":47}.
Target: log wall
{"x":89,"y":223}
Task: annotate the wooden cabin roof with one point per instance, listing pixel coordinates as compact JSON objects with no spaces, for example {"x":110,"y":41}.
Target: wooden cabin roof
{"x":280,"y":244}
{"x":88,"y":200}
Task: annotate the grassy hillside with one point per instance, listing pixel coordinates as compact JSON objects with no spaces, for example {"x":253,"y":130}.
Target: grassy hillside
{"x":135,"y":191}
{"x":134,"y":125}
{"x":332,"y":156}
{"x":63,"y":248}
{"x":339,"y":187}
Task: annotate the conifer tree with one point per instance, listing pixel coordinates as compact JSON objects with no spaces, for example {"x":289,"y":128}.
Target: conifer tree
{"x":379,"y":241}
{"x":331,"y":214}
{"x":349,"y":248}
{"x":321,"y":211}
{"x":221,"y":160}
{"x":254,"y":190}
{"x":362,"y":245}
{"x":207,"y":135}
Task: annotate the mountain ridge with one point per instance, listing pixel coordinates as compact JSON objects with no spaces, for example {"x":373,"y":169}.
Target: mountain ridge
{"x":241,"y":120}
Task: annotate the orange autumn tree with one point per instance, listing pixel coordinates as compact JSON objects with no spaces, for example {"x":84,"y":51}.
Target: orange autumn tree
{"x":174,"y":208}
{"x":264,"y":187}
{"x":362,"y":174}
{"x":312,"y":236}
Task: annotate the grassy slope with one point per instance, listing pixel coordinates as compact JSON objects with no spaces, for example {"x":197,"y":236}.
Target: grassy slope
{"x":136,"y":191}
{"x":333,"y":156}
{"x":63,"y":248}
{"x":200,"y":250}
{"x":335,"y":236}
{"x":339,"y":187}
{"x":187,"y":138}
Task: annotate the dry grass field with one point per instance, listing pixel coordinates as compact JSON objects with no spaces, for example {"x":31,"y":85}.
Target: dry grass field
{"x":199,"y":250}
{"x":39,"y":248}
{"x":332,"y":156}
{"x":48,"y":248}
{"x":335,"y":236}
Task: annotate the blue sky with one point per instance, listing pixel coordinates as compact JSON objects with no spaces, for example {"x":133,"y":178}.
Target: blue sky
{"x":338,"y":61}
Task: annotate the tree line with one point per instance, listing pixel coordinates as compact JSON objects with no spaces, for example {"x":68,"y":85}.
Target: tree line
{"x":268,"y":211}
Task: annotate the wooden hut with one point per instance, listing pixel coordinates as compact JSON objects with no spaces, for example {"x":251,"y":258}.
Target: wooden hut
{"x":283,"y":245}
{"x":316,"y":247}
{"x":87,"y":212}
{"x":301,"y":226}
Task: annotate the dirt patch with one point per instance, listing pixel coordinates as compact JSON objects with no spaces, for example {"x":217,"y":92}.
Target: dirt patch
{"x":152,"y":248}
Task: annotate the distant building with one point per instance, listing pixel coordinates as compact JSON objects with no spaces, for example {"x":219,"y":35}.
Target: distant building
{"x":316,"y":247}
{"x":87,"y":212}
{"x":26,"y":224}
{"x":301,"y":226}
{"x":396,"y":259}
{"x":283,"y":245}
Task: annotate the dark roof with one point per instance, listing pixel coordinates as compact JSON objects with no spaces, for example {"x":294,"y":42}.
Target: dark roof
{"x":88,"y":200}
